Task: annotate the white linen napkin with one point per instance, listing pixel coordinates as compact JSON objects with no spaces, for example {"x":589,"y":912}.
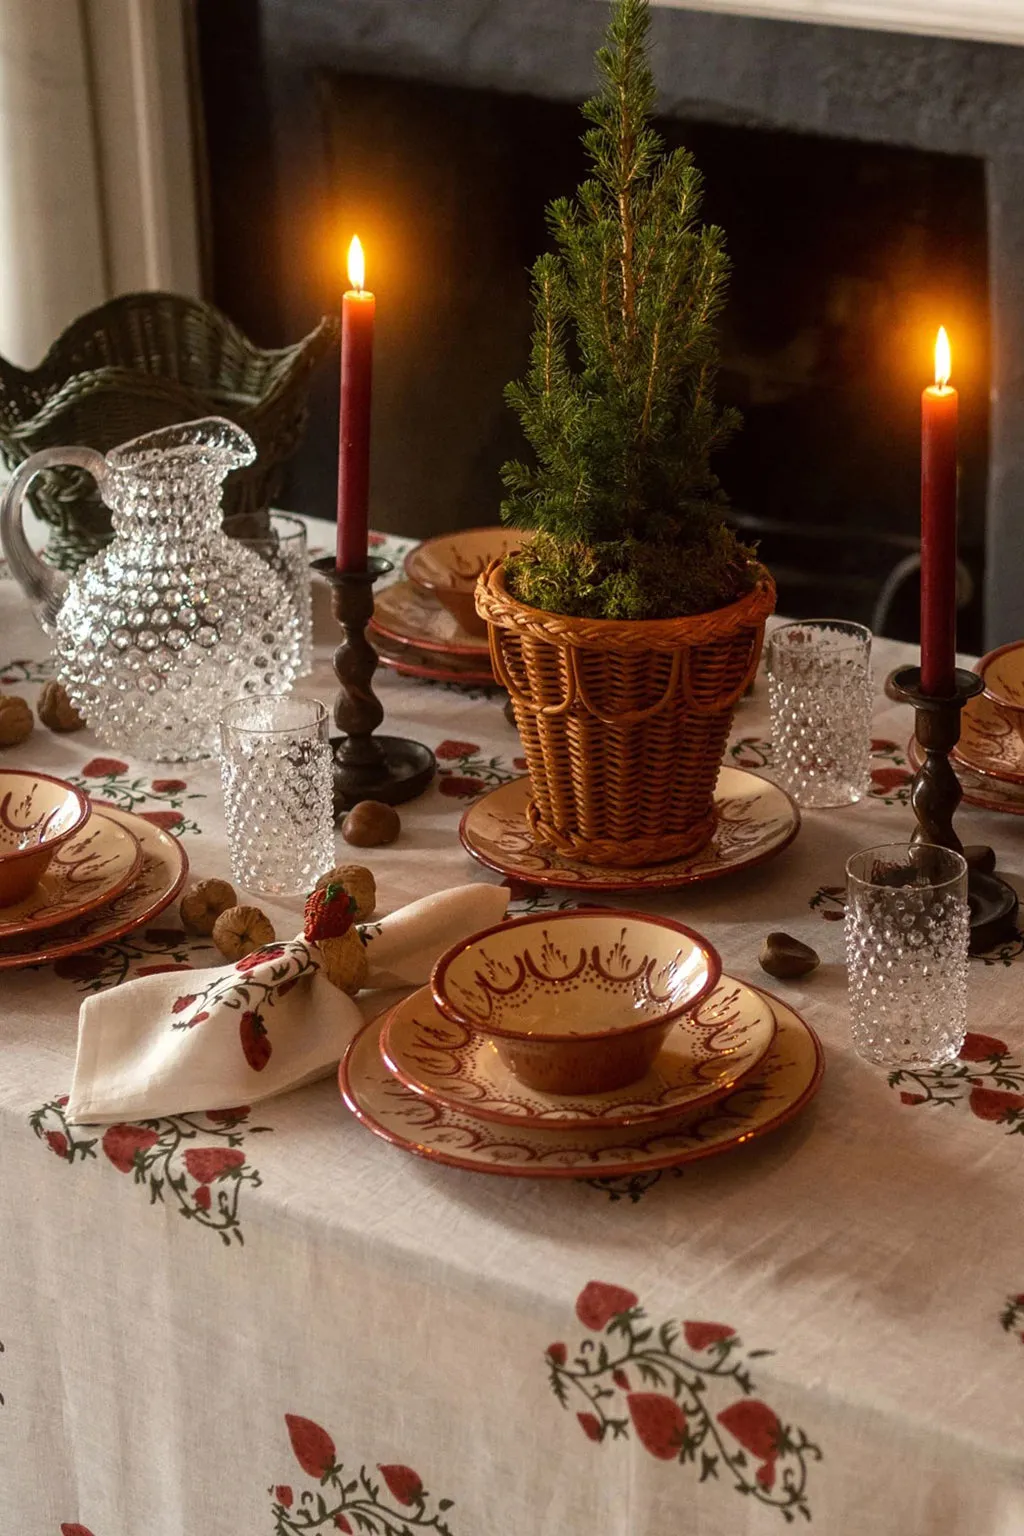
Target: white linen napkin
{"x":210,"y":1039}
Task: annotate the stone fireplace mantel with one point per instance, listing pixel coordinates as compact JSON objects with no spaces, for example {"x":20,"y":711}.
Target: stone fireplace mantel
{"x":981,"y":21}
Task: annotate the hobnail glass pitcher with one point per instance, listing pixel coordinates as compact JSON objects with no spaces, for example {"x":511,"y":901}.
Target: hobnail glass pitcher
{"x":172,"y":619}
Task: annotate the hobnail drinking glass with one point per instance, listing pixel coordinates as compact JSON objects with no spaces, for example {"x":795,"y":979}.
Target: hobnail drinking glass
{"x":819,"y":692}
{"x":276,"y":770}
{"x":285,"y":551}
{"x":907,"y":932}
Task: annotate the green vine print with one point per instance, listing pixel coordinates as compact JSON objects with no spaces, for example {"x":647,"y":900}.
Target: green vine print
{"x":632,"y":1186}
{"x":248,"y":995}
{"x":396,"y":1504}
{"x":25,"y":671}
{"x":205,"y":1182}
{"x":985,"y":1074}
{"x":669,"y":1383}
{"x":149,"y":952}
{"x":108,"y":780}
{"x":891,"y":774}
{"x":1011,"y":1317}
{"x":466,"y":773}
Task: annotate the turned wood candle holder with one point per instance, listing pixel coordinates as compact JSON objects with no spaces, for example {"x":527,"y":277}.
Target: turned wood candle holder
{"x":936,"y":793}
{"x":366,"y":767}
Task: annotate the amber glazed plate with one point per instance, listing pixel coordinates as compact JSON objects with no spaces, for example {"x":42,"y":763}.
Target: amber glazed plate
{"x":989,"y":743}
{"x":431,"y":666}
{"x":448,"y":566}
{"x":408,"y":616}
{"x":85,"y":873}
{"x":160,"y":878}
{"x":786,"y":1080}
{"x":756,"y":820}
{"x":984,"y":793}
{"x":704,"y":1057}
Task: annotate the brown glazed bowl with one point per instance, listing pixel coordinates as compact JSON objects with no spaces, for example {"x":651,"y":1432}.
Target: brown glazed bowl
{"x":448,"y":566}
{"x":1002,"y":672}
{"x":37,"y":814}
{"x":576,"y":1001}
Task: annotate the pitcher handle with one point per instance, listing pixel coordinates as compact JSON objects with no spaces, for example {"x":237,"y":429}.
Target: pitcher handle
{"x":43,"y":585}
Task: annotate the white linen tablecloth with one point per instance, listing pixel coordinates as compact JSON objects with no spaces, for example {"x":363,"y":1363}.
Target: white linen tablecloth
{"x":271,"y":1321}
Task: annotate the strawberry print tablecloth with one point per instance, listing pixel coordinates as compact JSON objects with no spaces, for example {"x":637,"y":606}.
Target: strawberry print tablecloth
{"x":266,"y":1320}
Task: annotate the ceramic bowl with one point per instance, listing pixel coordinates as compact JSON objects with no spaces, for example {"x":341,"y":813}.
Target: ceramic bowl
{"x":1002,"y":672}
{"x":449,"y":565}
{"x":37,"y":814}
{"x":578,"y":1001}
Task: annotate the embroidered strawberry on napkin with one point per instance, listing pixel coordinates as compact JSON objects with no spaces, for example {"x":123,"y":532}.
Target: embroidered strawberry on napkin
{"x":268,"y":1023}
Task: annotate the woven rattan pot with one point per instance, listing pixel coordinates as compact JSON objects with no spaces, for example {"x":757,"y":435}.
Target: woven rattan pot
{"x":624,"y":722}
{"x":145,"y":361}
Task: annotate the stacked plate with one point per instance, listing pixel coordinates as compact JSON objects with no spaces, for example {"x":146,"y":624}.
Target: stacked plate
{"x":109,"y":872}
{"x":739,"y":1065}
{"x":988,"y":759}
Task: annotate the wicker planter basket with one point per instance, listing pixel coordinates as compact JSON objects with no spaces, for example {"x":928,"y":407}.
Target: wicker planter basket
{"x":624,"y":723}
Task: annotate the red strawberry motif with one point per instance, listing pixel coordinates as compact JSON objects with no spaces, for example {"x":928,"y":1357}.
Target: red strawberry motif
{"x":912,"y":1098}
{"x":620,"y":1378}
{"x":405,"y":1484}
{"x":765,"y":1473}
{"x":268,"y":952}
{"x":994,"y":1104}
{"x":74,"y":1530}
{"x":181,"y":1003}
{"x":659,"y":1421}
{"x":556,"y":1352}
{"x":703,"y":1335}
{"x":169,"y":786}
{"x":448,"y":750}
{"x":122,"y":1142}
{"x":284,"y":1496}
{"x":197,"y":1018}
{"x":256,"y":1044}
{"x":208,"y":1163}
{"x":202,"y":1197}
{"x":981,"y":1047}
{"x":104,"y":768}
{"x":166,"y":820}
{"x":313,"y":1446}
{"x":598,"y":1303}
{"x":885,"y":780}
{"x":57,"y":1142}
{"x":227,"y":1116}
{"x":458,"y":787}
{"x":590,"y":1426}
{"x":754,"y":1425}
{"x":341,"y":1523}
{"x":518,"y":890}
{"x":158,"y":970}
{"x":79,"y":967}
{"x":520,"y":763}
{"x":62,"y":1100}
{"x":878,"y":746}
{"x":329,"y":913}
{"x":168,"y":937}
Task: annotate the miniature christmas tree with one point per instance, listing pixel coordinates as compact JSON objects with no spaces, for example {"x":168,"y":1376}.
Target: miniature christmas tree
{"x":618,"y":403}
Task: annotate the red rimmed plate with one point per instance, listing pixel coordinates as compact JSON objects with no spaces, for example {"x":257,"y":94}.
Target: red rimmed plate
{"x":756,"y":820}
{"x":989,"y":745}
{"x":431,"y":666}
{"x":986,"y":794}
{"x":163,"y":871}
{"x":704,"y":1057}
{"x":786,"y":1081}
{"x":409,"y":616}
{"x":86,"y":872}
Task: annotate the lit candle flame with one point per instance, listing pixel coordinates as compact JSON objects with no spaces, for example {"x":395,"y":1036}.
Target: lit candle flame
{"x":943,"y":366}
{"x":357,"y":265}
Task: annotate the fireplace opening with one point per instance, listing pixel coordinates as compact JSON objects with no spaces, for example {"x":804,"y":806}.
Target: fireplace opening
{"x":846,"y":258}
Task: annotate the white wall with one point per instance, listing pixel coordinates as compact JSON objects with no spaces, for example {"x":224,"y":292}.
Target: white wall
{"x":992,"y":21}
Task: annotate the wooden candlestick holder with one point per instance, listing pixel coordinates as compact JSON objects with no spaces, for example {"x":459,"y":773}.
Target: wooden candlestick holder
{"x":936,"y":793}
{"x":366,"y":767}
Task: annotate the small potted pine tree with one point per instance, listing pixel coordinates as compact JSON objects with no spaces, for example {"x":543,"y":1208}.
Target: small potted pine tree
{"x":629,"y":626}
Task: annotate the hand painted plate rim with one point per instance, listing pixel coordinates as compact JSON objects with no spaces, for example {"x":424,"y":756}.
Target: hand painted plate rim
{"x":788,"y":1020}
{"x":57,"y":948}
{"x":652,"y":1115}
{"x":651,"y":877}
{"x":977,"y":795}
{"x":49,"y":918}
{"x":434,"y":672}
{"x":443,"y":647}
{"x":1006,"y":776}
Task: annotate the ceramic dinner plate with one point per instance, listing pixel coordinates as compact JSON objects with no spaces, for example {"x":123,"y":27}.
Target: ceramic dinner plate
{"x":786,"y":1080}
{"x":433,"y":666}
{"x":756,"y":820}
{"x":978,"y":790}
{"x":84,"y":873}
{"x":160,"y":877}
{"x":988,"y":743}
{"x":408,"y":616}
{"x":705,"y":1056}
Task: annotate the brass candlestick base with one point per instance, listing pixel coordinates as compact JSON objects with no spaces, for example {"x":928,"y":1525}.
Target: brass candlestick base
{"x":935,"y":795}
{"x":366,"y":767}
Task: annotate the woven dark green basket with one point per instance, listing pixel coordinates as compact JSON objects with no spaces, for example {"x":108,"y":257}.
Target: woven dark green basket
{"x":149,"y":360}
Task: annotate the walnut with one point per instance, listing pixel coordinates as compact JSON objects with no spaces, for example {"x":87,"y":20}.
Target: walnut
{"x":16,"y":722}
{"x":240,"y":930}
{"x":56,"y":710}
{"x":358,"y":882}
{"x":371,"y":824}
{"x":204,"y":902}
{"x":345,"y":961}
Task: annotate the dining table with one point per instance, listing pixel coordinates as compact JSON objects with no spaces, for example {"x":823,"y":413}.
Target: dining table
{"x":264,"y":1318}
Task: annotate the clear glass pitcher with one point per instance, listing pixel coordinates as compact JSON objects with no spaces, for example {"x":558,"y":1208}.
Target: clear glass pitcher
{"x":156,"y":633}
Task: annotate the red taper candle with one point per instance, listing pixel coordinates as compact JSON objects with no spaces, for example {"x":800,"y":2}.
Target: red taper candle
{"x":358,"y":309}
{"x":939,"y":406}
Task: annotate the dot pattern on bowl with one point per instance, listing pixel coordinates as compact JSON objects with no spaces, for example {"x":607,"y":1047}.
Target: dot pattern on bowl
{"x":34,"y":811}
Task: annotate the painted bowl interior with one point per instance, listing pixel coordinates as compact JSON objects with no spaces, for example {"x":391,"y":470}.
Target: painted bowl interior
{"x":37,"y":814}
{"x":449,"y":565}
{"x":1003,"y":675}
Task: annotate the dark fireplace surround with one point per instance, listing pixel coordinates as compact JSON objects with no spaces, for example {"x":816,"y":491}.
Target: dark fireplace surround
{"x":301,"y":119}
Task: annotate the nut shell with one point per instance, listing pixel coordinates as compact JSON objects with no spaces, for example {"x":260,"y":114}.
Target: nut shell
{"x":203,"y":903}
{"x":787,"y":958}
{"x":16,"y":722}
{"x":358,"y":882}
{"x":240,"y":930}
{"x":371,"y":824}
{"x":345,"y":961}
{"x":56,"y":710}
